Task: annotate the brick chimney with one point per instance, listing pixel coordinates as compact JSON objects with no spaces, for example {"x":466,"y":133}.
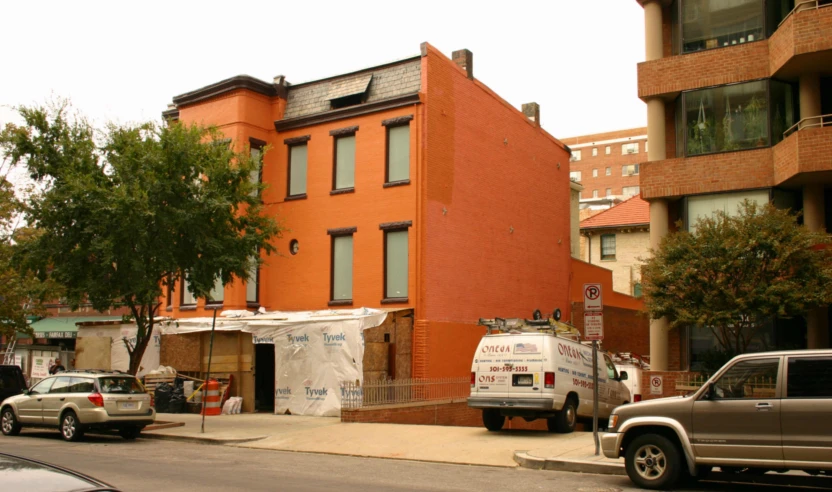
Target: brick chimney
{"x":281,"y":85}
{"x":532,"y":112}
{"x":465,"y":60}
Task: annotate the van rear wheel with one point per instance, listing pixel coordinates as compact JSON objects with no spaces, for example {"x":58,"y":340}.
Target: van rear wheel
{"x":567,"y":419}
{"x":492,"y":420}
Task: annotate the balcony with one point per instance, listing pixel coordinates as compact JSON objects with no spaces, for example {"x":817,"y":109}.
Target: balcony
{"x":801,"y":44}
{"x":806,"y":148}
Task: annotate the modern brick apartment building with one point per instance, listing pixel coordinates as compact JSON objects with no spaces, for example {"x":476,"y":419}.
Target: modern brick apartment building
{"x":739,"y":105}
{"x":410,"y":185}
{"x":607,"y":164}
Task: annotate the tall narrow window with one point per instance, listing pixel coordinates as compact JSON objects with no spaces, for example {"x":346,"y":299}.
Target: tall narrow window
{"x":186,"y":297}
{"x":607,"y":150}
{"x":252,"y":285}
{"x":395,"y":261}
{"x":256,"y":152}
{"x":608,"y":246}
{"x":217,"y":294}
{"x":297,"y":170}
{"x":341,"y":284}
{"x":398,"y":149}
{"x":344,"y":174}
{"x":594,"y":151}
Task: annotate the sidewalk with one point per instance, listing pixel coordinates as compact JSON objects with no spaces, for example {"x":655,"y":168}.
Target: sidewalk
{"x":328,"y":435}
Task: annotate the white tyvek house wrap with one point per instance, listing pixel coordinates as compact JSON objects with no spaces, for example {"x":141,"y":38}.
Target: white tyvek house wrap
{"x":314,"y":352}
{"x":119,"y":357}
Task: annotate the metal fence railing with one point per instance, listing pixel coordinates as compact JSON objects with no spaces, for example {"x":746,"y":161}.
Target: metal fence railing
{"x":402,"y":391}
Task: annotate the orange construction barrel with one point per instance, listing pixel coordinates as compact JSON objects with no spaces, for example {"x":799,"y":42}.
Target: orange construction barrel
{"x":211,"y":405}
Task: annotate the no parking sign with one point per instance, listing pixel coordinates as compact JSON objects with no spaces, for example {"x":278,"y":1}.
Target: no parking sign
{"x":656,"y":385}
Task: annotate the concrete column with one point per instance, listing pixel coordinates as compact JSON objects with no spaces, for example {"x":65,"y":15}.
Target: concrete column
{"x":657,"y":150}
{"x":809,"y":90}
{"x":814,"y":210}
{"x":653,"y":31}
{"x":814,"y":217}
{"x":658,"y":327}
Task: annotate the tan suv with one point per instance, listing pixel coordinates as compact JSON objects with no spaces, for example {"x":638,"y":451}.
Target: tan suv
{"x":760,"y":412}
{"x":77,"y":401}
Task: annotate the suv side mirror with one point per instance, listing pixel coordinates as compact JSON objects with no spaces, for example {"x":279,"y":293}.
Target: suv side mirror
{"x":622,"y":376}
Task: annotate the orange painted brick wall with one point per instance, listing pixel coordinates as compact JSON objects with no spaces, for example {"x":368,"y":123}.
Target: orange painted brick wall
{"x":302,"y":281}
{"x":707,"y":174}
{"x":496,"y":204}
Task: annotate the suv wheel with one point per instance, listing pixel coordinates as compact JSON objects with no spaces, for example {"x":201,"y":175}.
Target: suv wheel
{"x":492,"y":420}
{"x":9,"y":423}
{"x":130,"y":433}
{"x":71,"y":429}
{"x":653,"y":462}
{"x":567,"y":419}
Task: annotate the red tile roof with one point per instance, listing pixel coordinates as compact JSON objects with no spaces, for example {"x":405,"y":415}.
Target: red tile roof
{"x":630,"y":212}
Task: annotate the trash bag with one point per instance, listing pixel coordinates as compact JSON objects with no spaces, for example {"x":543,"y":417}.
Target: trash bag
{"x":162,"y":397}
{"x":177,"y":397}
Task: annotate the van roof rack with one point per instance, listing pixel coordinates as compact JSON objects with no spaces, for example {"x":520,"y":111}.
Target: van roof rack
{"x":524,"y":325}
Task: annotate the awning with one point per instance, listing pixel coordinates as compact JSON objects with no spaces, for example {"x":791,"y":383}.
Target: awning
{"x":64,"y":326}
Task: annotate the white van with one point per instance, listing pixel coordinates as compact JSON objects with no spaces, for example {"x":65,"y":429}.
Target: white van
{"x":539,"y":375}
{"x":633,"y":365}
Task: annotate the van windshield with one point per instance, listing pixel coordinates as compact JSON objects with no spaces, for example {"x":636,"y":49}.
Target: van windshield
{"x":123,"y":385}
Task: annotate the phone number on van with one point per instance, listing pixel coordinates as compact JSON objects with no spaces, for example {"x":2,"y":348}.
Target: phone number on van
{"x":581,"y":383}
{"x":509,"y":368}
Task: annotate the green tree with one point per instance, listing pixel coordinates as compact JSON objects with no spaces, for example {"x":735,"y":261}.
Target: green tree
{"x":21,"y":293}
{"x":736,"y":272}
{"x":123,"y":213}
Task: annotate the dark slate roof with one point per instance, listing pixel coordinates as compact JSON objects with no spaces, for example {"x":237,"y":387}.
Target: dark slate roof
{"x":386,"y":81}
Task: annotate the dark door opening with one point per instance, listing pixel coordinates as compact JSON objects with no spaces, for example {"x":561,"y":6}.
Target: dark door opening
{"x":264,"y":377}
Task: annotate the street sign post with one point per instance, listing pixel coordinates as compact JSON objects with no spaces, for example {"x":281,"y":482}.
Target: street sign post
{"x":592,"y":297}
{"x":594,"y":326}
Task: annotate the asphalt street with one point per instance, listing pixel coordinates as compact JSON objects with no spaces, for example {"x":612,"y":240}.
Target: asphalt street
{"x":157,"y":465}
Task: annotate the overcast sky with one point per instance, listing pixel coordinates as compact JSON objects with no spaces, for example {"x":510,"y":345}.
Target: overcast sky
{"x":124,"y":61}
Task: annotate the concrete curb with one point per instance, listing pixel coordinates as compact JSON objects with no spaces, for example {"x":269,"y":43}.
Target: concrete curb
{"x":557,"y":464}
{"x":201,"y":440}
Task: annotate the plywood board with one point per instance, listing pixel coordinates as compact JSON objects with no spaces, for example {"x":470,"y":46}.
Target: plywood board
{"x":180,"y":352}
{"x":375,"y":357}
{"x":93,"y":352}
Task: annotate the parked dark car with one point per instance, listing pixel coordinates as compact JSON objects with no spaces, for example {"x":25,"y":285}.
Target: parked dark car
{"x":18,"y":473}
{"x":12,"y":382}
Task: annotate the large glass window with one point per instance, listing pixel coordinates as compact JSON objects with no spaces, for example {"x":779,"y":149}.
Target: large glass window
{"x":706,"y":24}
{"x":395,"y":265}
{"x":344,"y":163}
{"x":342,"y":268}
{"x":217,"y":294}
{"x":398,"y":153}
{"x":707,"y":205}
{"x":186,"y":296}
{"x":735,"y":117}
{"x":252,"y":290}
{"x":297,"y":170}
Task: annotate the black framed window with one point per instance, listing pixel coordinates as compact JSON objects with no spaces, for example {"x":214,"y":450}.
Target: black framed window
{"x":256,"y":151}
{"x":253,"y":286}
{"x":217,"y":294}
{"x":397,"y":151}
{"x":608,"y":246}
{"x":297,"y":167}
{"x":342,"y":263}
{"x":698,"y":25}
{"x":734,"y":117}
{"x":186,"y":297}
{"x":343,"y":175}
{"x":396,"y":261}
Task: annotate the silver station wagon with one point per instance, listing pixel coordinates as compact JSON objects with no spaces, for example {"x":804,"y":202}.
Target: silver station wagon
{"x":77,"y":401}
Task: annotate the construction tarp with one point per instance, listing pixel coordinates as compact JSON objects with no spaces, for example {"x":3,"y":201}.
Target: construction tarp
{"x":120,"y":336}
{"x":314,"y":351}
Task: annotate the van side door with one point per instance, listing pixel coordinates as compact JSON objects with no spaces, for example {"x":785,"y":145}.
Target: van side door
{"x":806,"y":410}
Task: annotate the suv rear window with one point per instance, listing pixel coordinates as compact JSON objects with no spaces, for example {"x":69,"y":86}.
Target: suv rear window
{"x":122,"y":385}
{"x":810,"y":377}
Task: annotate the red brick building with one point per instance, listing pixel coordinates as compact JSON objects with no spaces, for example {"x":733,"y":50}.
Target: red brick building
{"x":410,"y":186}
{"x":739,"y":105}
{"x":607,"y":164}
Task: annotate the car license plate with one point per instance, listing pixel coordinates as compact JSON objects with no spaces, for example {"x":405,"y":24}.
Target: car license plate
{"x":130,"y":405}
{"x":523,"y":380}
